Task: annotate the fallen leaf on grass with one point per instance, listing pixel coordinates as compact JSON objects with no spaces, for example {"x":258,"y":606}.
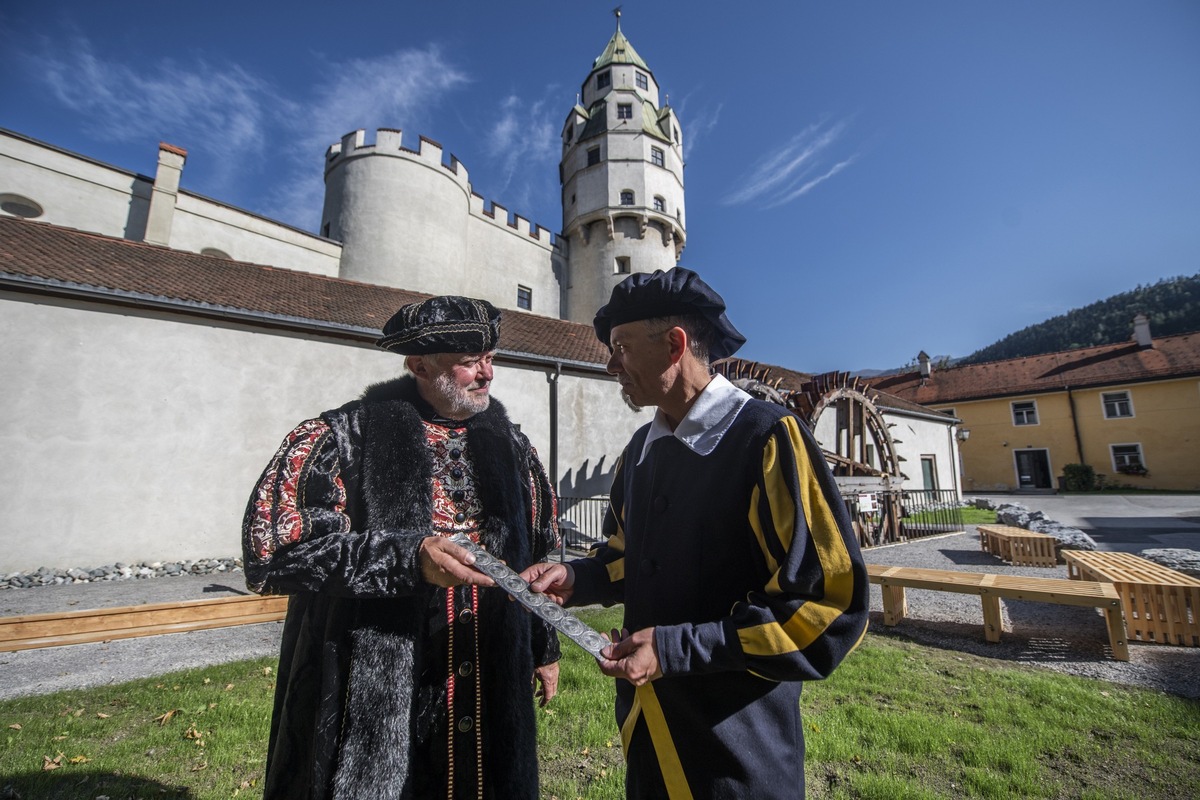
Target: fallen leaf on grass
{"x":228,"y":686}
{"x":59,"y":738}
{"x":16,"y":726}
{"x":80,"y":760}
{"x":165,"y":718}
{"x":51,"y":763}
{"x":79,"y":713}
{"x":266,"y":670}
{"x":200,"y":766}
{"x":102,"y":715}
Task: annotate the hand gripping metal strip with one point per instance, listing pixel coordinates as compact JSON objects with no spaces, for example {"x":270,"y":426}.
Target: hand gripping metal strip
{"x":541,"y":605}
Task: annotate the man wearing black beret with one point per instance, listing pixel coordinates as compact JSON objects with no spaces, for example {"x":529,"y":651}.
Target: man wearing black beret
{"x":402,"y":672}
{"x":731,"y":548}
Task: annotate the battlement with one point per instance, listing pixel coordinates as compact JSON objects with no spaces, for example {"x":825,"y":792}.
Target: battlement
{"x":390,"y":142}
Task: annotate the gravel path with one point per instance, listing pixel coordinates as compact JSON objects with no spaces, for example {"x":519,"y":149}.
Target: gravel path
{"x":1062,"y":638}
{"x":1066,"y":639}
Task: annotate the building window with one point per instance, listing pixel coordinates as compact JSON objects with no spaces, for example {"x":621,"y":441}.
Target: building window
{"x":604,"y":80}
{"x":1116,"y":405}
{"x":642,"y":81}
{"x":627,"y":198}
{"x":660,"y":204}
{"x":1127,"y":459}
{"x":20,"y":206}
{"x":656,"y":156}
{"x":624,"y":266}
{"x":525,"y":298}
{"x":1025,"y":413}
{"x":625,"y":111}
{"x":929,"y":472}
{"x":593,"y":156}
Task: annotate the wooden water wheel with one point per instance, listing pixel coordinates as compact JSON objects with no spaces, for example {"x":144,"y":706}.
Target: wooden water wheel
{"x":858,"y":445}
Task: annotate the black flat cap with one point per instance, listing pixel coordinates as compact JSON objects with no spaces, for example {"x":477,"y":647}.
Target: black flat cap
{"x":674,"y":292}
{"x":445,"y":324}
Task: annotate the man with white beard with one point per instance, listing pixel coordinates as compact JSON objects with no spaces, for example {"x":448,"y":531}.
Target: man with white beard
{"x":403,"y":671}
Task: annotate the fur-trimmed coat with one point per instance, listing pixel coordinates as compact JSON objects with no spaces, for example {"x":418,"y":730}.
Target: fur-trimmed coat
{"x":336,"y":521}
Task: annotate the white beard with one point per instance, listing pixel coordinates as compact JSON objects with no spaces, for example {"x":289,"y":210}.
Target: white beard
{"x":459,"y":401}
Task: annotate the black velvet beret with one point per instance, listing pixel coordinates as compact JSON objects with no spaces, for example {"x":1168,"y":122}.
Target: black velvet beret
{"x":675,"y":292}
{"x":442,"y":325}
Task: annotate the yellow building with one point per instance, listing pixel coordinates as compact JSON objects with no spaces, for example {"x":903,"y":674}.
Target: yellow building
{"x":1131,"y":411}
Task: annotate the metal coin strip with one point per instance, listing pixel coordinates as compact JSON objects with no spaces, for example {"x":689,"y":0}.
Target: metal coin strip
{"x":543,"y":606}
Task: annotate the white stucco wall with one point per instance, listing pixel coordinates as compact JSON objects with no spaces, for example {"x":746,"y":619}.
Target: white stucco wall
{"x":200,"y":223}
{"x":138,"y":436}
{"x":920,"y":437}
{"x":75,"y":192}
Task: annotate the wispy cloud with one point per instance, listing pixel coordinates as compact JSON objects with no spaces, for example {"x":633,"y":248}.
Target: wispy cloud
{"x":198,"y":105}
{"x":233,"y":116}
{"x":795,"y":168}
{"x":699,"y":124}
{"x":523,"y":142}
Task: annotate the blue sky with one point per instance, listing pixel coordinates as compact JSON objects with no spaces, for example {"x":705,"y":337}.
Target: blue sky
{"x":865,"y":180}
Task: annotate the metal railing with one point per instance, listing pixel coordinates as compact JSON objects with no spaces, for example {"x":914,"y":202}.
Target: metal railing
{"x":581,"y":521}
{"x":921,"y":513}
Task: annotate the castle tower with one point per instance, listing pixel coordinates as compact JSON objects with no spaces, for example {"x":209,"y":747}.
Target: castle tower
{"x":622,"y":180}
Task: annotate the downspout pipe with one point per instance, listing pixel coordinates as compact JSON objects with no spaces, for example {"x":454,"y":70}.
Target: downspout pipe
{"x":1075,"y":427}
{"x":552,"y":378}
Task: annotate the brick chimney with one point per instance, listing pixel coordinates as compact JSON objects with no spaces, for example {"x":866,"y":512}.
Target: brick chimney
{"x":1141,"y":331}
{"x":166,"y":190}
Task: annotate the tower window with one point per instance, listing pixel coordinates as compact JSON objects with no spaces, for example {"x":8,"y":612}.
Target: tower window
{"x":660,"y":204}
{"x":525,"y":298}
{"x":642,"y":82}
{"x":604,"y":80}
{"x":656,"y":156}
{"x":677,"y":134}
{"x":624,"y":265}
{"x":593,"y":156}
{"x":626,"y":198}
{"x":625,"y":111}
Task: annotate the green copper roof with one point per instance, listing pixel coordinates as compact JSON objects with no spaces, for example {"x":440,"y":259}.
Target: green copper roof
{"x":619,"y":51}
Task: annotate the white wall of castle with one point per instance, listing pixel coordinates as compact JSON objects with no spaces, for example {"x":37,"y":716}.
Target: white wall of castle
{"x":76,"y":192}
{"x":138,"y":435}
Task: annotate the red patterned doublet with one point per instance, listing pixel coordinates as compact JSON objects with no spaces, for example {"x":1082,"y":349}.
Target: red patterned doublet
{"x":456,"y":505}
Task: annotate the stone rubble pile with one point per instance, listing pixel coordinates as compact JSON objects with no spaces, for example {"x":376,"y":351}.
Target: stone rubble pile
{"x":1020,"y":516}
{"x":47,"y":576}
{"x":1177,"y":558}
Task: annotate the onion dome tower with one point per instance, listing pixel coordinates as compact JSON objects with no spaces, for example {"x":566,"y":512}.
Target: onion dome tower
{"x":622,"y":180}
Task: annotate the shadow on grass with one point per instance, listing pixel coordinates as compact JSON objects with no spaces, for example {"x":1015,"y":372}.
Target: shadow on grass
{"x":73,"y":783}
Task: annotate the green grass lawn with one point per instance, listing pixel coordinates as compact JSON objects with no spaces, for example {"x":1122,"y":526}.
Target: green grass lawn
{"x":897,"y":720}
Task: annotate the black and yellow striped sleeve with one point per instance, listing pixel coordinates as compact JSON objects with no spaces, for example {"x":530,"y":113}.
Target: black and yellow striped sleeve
{"x":812,"y":610}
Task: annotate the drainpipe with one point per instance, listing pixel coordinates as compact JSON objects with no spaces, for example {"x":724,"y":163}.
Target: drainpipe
{"x":1075,"y":426}
{"x":552,"y":379}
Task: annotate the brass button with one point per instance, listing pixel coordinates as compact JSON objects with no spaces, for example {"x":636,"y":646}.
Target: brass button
{"x":465,"y":724}
{"x":466,"y":615}
{"x":466,"y":668}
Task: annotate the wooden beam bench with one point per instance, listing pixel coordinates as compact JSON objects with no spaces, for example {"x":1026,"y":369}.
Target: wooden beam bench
{"x":125,"y":622}
{"x":1018,"y":546}
{"x":990,"y":588}
{"x":1160,"y":604}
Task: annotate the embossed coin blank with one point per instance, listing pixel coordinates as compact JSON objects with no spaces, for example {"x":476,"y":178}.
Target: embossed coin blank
{"x":539,"y":604}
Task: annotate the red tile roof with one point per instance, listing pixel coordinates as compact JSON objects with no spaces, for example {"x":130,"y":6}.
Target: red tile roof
{"x":1106,"y":365}
{"x":42,"y":257}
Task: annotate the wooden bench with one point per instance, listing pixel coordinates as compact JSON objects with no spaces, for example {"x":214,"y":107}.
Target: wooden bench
{"x":1160,"y":604}
{"x":125,"y":622}
{"x":990,"y":588}
{"x":1018,"y":546}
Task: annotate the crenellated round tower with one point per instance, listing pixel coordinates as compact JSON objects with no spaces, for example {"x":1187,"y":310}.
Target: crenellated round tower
{"x":622,"y":180}
{"x":400,"y":212}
